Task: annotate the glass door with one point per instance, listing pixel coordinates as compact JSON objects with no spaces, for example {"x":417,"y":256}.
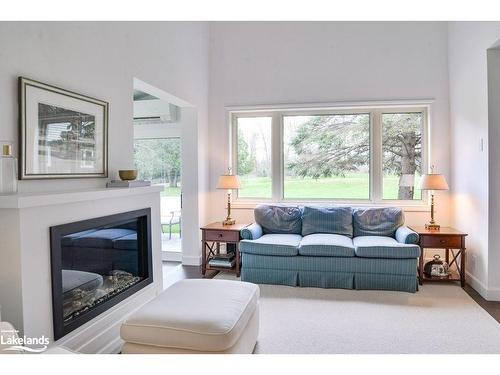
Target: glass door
{"x":159,"y":160}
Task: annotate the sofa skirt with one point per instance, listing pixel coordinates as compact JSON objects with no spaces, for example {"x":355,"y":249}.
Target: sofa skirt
{"x":331,"y":272}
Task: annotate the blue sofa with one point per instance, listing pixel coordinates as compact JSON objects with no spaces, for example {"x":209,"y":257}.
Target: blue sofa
{"x":330,"y":247}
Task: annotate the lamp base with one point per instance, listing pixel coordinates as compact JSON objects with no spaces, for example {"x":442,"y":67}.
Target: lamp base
{"x":435,"y":227}
{"x":229,"y":222}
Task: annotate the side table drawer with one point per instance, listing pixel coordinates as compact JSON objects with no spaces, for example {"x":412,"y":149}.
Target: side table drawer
{"x":444,"y":242}
{"x":222,"y":235}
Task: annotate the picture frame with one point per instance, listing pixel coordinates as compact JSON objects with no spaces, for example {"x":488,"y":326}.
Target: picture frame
{"x":62,"y":134}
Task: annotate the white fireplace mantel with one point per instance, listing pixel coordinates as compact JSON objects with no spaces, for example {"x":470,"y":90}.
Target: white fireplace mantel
{"x":25,"y":272}
{"x":24,"y":200}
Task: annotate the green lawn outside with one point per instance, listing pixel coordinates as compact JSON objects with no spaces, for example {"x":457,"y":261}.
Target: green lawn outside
{"x":390,"y":187}
{"x":255,"y":187}
{"x":171,"y":191}
{"x":352,"y":186}
{"x":175,"y":228}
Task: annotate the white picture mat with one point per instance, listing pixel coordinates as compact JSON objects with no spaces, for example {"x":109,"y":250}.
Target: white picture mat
{"x":35,"y":95}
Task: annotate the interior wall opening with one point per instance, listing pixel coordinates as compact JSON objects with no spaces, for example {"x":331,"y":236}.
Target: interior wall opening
{"x":157,"y":158}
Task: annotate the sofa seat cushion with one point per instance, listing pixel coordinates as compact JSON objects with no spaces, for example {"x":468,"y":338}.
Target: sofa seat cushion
{"x":383,"y":247}
{"x":272,"y":244}
{"x":326,"y":245}
{"x":327,"y":219}
{"x":378,"y":221}
{"x":280,"y":219}
{"x":197,"y":314}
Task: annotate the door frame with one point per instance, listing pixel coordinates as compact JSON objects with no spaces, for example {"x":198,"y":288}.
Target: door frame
{"x":192,"y":207}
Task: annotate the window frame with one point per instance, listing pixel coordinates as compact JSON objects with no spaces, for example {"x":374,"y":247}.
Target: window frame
{"x":374,"y":109}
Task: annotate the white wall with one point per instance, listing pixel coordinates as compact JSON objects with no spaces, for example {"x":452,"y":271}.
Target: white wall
{"x":493,"y":56}
{"x":101,"y":60}
{"x":254,"y":63}
{"x":468,"y":43}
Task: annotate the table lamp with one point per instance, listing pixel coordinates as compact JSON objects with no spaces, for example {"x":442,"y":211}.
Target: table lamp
{"x":433,"y":181}
{"x":228,"y":182}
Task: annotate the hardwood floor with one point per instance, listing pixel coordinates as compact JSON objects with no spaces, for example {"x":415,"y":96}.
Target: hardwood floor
{"x":173,"y":272}
{"x":491,"y":307}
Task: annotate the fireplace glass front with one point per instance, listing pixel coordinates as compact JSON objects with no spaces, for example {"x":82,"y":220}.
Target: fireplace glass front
{"x":97,"y":263}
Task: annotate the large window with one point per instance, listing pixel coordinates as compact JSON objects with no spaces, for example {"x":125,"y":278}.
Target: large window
{"x":326,"y":156}
{"x":361,"y":154}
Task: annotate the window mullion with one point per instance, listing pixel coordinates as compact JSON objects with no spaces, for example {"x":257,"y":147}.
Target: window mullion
{"x":277,"y":156}
{"x":376,"y":157}
{"x":233,"y":147}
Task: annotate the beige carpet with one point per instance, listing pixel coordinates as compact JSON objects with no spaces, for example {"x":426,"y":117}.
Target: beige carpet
{"x":440,"y":318}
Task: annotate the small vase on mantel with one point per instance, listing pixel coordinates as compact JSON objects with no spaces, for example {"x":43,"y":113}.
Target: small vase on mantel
{"x":8,"y":171}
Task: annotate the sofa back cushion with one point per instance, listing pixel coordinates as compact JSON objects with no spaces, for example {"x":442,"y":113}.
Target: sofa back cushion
{"x":280,"y":219}
{"x":377,"y":221}
{"x":327,"y":219}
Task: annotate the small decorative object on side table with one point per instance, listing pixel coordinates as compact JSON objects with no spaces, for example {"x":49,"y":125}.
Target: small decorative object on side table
{"x":453,"y":241}
{"x":212,"y":236}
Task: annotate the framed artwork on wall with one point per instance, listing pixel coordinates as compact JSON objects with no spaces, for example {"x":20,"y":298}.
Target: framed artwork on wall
{"x":62,"y":134}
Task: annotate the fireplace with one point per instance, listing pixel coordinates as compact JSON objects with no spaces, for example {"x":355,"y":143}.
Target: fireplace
{"x":96,"y":264}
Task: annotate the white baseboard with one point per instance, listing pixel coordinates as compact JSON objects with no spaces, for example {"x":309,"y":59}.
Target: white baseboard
{"x":171,"y":256}
{"x":114,"y":347}
{"x":191,"y":260}
{"x":493,"y":294}
{"x":489,"y":294}
{"x":477,"y":285}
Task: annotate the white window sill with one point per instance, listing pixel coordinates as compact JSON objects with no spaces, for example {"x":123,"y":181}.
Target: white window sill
{"x":419,"y":207}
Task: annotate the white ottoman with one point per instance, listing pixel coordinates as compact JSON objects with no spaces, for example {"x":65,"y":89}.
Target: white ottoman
{"x":196,"y":316}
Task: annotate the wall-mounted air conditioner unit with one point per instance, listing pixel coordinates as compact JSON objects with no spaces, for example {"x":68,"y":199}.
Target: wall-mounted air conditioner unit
{"x":155,"y":110}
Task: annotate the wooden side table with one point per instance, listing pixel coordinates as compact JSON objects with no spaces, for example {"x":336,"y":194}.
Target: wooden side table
{"x":212,"y":236}
{"x":453,"y":241}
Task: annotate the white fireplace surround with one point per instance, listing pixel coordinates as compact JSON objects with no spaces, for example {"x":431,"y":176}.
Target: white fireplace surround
{"x":25,"y":279}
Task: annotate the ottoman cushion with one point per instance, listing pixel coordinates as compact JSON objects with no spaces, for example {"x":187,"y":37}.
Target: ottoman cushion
{"x":197,"y":314}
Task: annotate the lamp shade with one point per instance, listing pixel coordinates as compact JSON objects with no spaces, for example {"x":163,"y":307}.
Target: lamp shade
{"x":433,"y":182}
{"x":228,"y":181}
